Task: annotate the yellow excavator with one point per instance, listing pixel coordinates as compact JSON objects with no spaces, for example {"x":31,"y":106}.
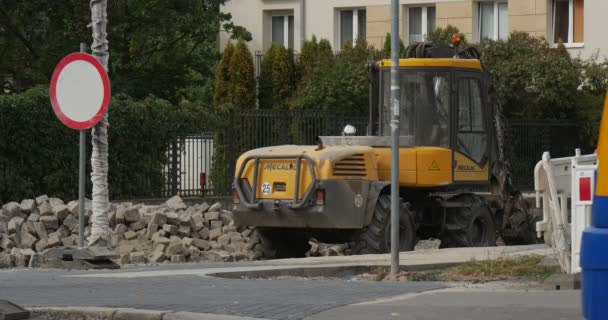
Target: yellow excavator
{"x":454,"y":183}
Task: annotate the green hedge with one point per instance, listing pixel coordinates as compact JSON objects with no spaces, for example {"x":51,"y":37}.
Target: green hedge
{"x":39,"y":155}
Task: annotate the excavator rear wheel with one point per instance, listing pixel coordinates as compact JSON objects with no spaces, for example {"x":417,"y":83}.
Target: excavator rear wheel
{"x":471,"y":225}
{"x":376,"y":238}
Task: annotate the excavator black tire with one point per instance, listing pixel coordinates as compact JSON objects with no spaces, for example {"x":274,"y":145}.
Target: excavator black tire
{"x":375,"y":238}
{"x":471,"y":225}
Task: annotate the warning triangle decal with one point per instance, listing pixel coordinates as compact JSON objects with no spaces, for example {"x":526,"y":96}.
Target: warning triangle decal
{"x":434,"y":166}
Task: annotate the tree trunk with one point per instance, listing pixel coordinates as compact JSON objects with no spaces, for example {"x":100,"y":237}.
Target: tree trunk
{"x":100,"y":231}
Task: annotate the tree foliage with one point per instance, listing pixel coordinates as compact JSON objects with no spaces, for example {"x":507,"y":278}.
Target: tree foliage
{"x":241,"y":78}
{"x":283,"y":77}
{"x":221,"y":95}
{"x":338,"y":83}
{"x":444,"y":35}
{"x":386,"y":48}
{"x":536,"y":81}
{"x":165,"y":48}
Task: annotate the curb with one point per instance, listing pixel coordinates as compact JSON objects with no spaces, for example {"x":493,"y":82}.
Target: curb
{"x":95,"y":313}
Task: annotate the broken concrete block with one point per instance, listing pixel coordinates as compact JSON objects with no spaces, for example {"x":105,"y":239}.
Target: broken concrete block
{"x":194,"y":254}
{"x":15,"y":238}
{"x":28,"y":206}
{"x":6,"y":260}
{"x":201,"y":244}
{"x":156,"y":238}
{"x":36,"y":260}
{"x":27,"y":241}
{"x":157,"y":257}
{"x":70,"y":241}
{"x":223,"y":240}
{"x":41,"y":245}
{"x":56,"y":202}
{"x":41,"y":199}
{"x":176,"y":203}
{"x":50,"y":222}
{"x":120,"y":216}
{"x":217,"y":256}
{"x":40,"y":230}
{"x":123,"y":259}
{"x":151,"y":230}
{"x":34,"y":217}
{"x":203,"y":207}
{"x":158,"y":218}
{"x":183,"y":230}
{"x":139,"y":225}
{"x":227,"y":229}
{"x":53,"y":241}
{"x":64,"y":231}
{"x":130,"y":235}
{"x":204,"y":233}
{"x":28,"y":227}
{"x":197,"y":222}
{"x":137,"y":257}
{"x":6,"y":242}
{"x":187,"y":241}
{"x":214,"y":245}
{"x":70,"y":222}
{"x":184,"y":218}
{"x":132,"y":213}
{"x":216,"y":225}
{"x":45,"y":209}
{"x":60,"y":211}
{"x":172,"y":218}
{"x":216,"y":207}
{"x":175,"y":247}
{"x":73,"y":207}
{"x":212,"y":215}
{"x":171,"y":229}
{"x":121,"y":229}
{"x":215,"y":233}
{"x":14,"y":224}
{"x":178,"y":258}
{"x":11,"y":209}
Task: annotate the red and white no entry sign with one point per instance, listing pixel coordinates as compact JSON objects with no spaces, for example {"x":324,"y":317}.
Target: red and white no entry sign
{"x":80,"y":91}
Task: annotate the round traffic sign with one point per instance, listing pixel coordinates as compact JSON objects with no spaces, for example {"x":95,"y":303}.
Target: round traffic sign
{"x":80,"y":91}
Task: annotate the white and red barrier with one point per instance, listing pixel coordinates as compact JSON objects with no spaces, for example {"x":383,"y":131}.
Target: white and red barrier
{"x":564,"y":188}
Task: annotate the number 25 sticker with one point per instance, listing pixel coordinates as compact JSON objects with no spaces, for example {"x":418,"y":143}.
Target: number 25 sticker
{"x":266,"y":188}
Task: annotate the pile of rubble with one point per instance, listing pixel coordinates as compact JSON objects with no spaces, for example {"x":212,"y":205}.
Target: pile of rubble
{"x":172,"y":231}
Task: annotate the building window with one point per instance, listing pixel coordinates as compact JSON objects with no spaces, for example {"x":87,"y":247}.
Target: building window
{"x":421,"y":22}
{"x":352,"y":25}
{"x":569,"y":21}
{"x":493,"y":20}
{"x":282,"y":30}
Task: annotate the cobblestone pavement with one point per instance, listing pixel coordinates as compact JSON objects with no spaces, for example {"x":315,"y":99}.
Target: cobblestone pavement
{"x":270,"y":299}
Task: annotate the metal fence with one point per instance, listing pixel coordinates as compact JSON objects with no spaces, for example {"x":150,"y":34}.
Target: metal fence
{"x":191,"y":158}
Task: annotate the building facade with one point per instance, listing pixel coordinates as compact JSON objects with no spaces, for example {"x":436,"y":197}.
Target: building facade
{"x":577,"y":23}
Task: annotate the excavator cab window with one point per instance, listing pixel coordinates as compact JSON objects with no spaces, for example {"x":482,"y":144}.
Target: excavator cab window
{"x":471,"y":137}
{"x":424,"y":106}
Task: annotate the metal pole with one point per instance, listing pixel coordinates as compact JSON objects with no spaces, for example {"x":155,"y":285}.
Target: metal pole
{"x":302,"y":23}
{"x":395,"y":91}
{"x":81,"y":176}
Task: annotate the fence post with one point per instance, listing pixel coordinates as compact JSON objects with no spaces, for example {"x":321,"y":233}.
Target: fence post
{"x":174,"y":170}
{"x":231,"y":145}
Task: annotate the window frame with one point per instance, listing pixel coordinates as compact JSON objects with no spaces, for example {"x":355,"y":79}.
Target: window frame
{"x":286,"y":34}
{"x":496,"y":22}
{"x":424,"y":21}
{"x":570,"y":43}
{"x":355,"y":25}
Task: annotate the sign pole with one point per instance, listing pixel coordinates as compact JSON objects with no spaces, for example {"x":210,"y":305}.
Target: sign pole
{"x":81,"y":175}
{"x":395,"y":133}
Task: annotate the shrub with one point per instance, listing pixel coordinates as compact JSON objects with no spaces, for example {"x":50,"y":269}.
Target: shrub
{"x":242,"y":82}
{"x":221,"y":96}
{"x":283,"y":77}
{"x":444,"y":35}
{"x":386,"y":48}
{"x":39,"y":155}
{"x":265,"y":83}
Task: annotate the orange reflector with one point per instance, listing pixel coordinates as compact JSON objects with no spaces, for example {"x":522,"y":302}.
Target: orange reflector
{"x":235,"y":197}
{"x":320,"y":197}
{"x":456,"y":38}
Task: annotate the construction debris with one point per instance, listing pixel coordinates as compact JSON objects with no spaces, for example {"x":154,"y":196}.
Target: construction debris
{"x":172,"y":231}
